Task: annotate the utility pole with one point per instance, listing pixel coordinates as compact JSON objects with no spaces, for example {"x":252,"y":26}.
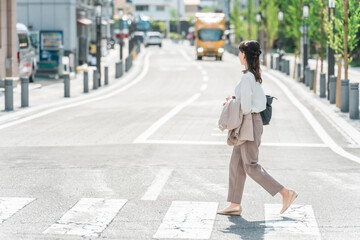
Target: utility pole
{"x":178,"y":15}
{"x":98,"y":40}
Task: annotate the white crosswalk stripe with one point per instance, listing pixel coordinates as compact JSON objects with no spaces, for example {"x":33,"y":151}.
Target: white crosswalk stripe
{"x":89,"y":217}
{"x":10,"y":205}
{"x":298,"y":222}
{"x":186,"y":219}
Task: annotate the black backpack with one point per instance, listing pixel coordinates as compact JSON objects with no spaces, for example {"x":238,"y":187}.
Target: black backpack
{"x":266,"y":114}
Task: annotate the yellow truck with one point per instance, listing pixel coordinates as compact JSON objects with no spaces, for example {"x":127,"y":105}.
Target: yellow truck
{"x":209,"y":35}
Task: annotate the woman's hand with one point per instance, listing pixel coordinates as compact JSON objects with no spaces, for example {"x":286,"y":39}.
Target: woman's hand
{"x":227,"y":99}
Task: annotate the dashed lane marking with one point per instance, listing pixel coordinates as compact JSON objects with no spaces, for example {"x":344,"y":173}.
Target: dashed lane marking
{"x":184,"y":219}
{"x":298,"y":222}
{"x":10,"y":205}
{"x":89,"y":217}
{"x":157,"y":185}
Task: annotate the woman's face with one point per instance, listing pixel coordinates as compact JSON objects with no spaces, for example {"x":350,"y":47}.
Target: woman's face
{"x":242,"y":58}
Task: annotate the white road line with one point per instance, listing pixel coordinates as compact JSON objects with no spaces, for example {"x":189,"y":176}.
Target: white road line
{"x":185,"y":219}
{"x":203,"y":72}
{"x":219,"y":134}
{"x":203,"y":87}
{"x":143,"y":137}
{"x":10,"y":205}
{"x":314,"y":123}
{"x":205,"y":78}
{"x":157,"y":185}
{"x":199,"y":67}
{"x":298,"y":222}
{"x":267,"y":144}
{"x":89,"y":217}
{"x":75,"y":104}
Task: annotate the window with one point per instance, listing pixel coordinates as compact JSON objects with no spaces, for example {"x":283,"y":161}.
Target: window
{"x":210,"y":34}
{"x":142,"y":8}
{"x":160,"y":8}
{"x":23,"y":41}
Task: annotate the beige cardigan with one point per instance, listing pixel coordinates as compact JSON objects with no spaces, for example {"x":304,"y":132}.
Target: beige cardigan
{"x":239,"y":126}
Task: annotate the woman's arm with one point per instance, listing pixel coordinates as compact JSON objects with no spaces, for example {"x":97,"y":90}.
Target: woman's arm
{"x":245,"y":95}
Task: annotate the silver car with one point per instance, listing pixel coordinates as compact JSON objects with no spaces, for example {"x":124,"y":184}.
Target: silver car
{"x":26,"y":53}
{"x":152,"y":38}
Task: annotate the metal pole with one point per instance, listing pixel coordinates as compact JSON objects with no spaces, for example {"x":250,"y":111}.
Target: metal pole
{"x":106,"y":72}
{"x":98,"y":45}
{"x":332,"y":89}
{"x":354,"y":101}
{"x":86,"y":82}
{"x":95,"y":79}
{"x":344,"y":98}
{"x":121,"y":49}
{"x":66,"y":85}
{"x":330,"y":55}
{"x":24,"y":92}
{"x":323,"y":85}
{"x":9,"y":95}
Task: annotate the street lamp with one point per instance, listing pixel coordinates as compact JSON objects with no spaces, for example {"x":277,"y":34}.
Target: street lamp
{"x":331,"y":52}
{"x":258,"y":20}
{"x":280,"y":18}
{"x":121,"y":25}
{"x":305,"y":41}
{"x":98,"y":40}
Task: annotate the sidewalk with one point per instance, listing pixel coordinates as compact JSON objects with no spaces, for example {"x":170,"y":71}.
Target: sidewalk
{"x":44,"y":95}
{"x":353,"y":73}
{"x":348,"y":128}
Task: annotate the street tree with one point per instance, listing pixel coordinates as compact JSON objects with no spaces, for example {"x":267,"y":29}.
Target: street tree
{"x":342,"y":37}
{"x":292,"y":10}
{"x":269,"y":23}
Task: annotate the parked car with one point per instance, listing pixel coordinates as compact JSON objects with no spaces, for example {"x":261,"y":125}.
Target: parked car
{"x":26,"y":53}
{"x":153,"y":38}
{"x":139,"y":36}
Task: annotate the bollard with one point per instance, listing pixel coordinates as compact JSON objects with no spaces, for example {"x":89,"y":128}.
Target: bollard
{"x":95,"y":79}
{"x":306,"y":75}
{"x":128,"y":62}
{"x":277,"y":63}
{"x":119,"y":69}
{"x":24,"y":92}
{"x":332,"y":89}
{"x":322,"y":85}
{"x":282,"y":67}
{"x":9,"y":94}
{"x":344,"y":96}
{"x":354,"y":101}
{"x":298,"y":72}
{"x":272,"y":61}
{"x":288,"y":67}
{"x":311,"y":79}
{"x":66,"y":85}
{"x":86,"y":82}
{"x":106,"y":72}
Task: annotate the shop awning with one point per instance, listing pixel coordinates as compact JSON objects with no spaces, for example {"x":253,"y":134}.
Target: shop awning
{"x":84,"y":21}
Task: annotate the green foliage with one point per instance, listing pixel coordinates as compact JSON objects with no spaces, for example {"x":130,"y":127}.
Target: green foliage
{"x":290,"y":27}
{"x":269,"y":13}
{"x":191,"y":20}
{"x":159,"y":26}
{"x":236,"y":21}
{"x":336,"y":40}
{"x":175,"y":36}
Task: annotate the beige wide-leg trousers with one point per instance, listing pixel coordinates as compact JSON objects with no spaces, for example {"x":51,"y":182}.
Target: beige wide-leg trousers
{"x":244,"y":160}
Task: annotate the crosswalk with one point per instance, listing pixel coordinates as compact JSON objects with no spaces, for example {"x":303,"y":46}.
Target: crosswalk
{"x":89,"y":217}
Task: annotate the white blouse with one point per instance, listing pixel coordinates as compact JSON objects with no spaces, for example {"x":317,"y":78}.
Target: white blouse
{"x":251,"y":94}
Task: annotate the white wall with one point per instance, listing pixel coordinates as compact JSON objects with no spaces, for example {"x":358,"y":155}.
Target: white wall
{"x":50,"y":15}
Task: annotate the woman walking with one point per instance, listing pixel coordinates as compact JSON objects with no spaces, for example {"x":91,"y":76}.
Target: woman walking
{"x":244,"y":158}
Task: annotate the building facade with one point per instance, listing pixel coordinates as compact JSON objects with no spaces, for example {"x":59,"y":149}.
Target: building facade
{"x":8,"y":39}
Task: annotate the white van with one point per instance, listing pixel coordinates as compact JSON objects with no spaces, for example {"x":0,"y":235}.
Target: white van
{"x":26,"y":52}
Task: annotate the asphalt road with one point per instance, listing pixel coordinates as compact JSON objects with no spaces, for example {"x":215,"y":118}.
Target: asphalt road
{"x":149,"y":163}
